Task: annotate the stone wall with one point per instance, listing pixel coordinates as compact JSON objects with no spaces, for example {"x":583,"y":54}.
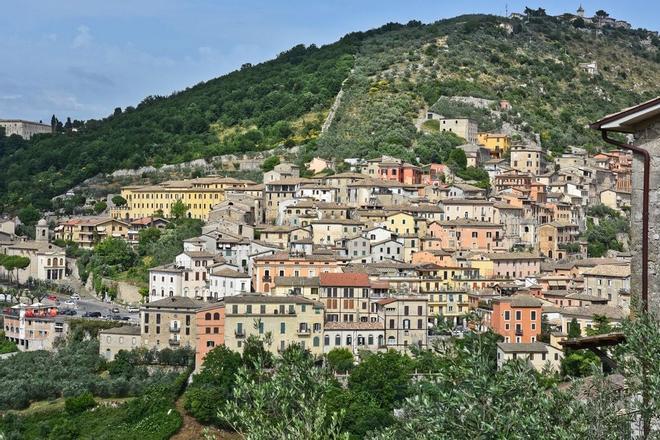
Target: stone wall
{"x":647,"y":137}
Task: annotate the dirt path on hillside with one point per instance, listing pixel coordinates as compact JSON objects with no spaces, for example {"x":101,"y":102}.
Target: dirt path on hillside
{"x":191,"y":429}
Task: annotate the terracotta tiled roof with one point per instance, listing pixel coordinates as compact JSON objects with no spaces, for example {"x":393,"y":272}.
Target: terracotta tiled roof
{"x":344,"y":279}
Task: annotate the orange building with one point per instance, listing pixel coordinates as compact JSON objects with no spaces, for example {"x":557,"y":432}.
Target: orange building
{"x":283,"y":264}
{"x":517,"y":318}
{"x":210,"y":331}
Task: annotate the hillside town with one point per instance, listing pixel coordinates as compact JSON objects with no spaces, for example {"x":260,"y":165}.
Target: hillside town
{"x":385,"y":255}
{"x":438,"y":229}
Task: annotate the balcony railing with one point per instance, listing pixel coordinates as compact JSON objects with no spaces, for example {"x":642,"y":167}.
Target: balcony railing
{"x":239,"y":333}
{"x":519,"y":332}
{"x":304,"y":331}
{"x":175,"y":329}
{"x":266,"y":279}
{"x":175,"y":342}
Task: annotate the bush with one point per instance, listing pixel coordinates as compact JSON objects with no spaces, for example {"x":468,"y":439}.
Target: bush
{"x":76,"y":405}
{"x":340,"y":360}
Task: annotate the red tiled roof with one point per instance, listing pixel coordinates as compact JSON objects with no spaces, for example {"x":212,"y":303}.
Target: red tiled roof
{"x":344,"y":279}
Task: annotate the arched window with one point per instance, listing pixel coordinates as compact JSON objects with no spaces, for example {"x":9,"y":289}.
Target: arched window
{"x":216,"y":316}
{"x":207,"y":316}
{"x":391,"y":340}
{"x":49,"y":262}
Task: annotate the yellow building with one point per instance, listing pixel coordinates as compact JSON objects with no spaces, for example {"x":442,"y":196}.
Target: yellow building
{"x":287,"y":320}
{"x":401,"y":223}
{"x":497,"y":143}
{"x":87,"y":231}
{"x":200,"y":195}
{"x":486,"y":266}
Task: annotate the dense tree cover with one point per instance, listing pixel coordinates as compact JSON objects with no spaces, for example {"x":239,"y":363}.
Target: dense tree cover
{"x":255,"y":107}
{"x":71,"y":370}
{"x":603,"y":225}
{"x":340,"y":360}
{"x":151,"y":416}
{"x":14,"y":263}
{"x":536,"y":68}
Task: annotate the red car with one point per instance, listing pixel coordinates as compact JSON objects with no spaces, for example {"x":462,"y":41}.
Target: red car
{"x":52,"y":297}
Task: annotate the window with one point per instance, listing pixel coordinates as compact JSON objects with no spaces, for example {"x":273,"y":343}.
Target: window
{"x":507,"y":315}
{"x":337,"y":340}
{"x":207,"y":316}
{"x":326,"y":340}
{"x":316,"y":341}
{"x":406,"y":324}
{"x":533,"y":315}
{"x":282,"y":327}
{"x":518,"y":315}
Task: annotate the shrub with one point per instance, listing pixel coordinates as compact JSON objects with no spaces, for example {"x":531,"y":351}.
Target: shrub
{"x":80,"y":403}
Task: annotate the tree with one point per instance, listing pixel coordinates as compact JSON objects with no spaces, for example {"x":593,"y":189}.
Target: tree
{"x":602,"y":14}
{"x":146,"y":237}
{"x":601,"y":326}
{"x":213,"y":386}
{"x":574,"y":329}
{"x":119,"y":201}
{"x":457,"y":159}
{"x":383,"y":376}
{"x":29,"y":215}
{"x":114,"y":252}
{"x":288,"y":402}
{"x":270,"y":163}
{"x":178,"y":210}
{"x":100,"y":206}
{"x":14,"y":263}
{"x":340,"y":360}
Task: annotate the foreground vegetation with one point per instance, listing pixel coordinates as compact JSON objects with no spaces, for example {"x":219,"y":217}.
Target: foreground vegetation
{"x":453,"y":391}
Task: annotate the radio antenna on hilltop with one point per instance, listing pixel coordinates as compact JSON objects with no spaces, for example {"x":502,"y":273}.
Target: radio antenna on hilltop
{"x":506,"y":9}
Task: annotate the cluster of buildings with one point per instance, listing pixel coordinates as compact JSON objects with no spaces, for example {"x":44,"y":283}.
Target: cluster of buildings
{"x":383,"y":256}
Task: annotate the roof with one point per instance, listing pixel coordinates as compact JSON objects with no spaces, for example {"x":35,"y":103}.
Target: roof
{"x":626,"y":119}
{"x":175,"y":302}
{"x":133,"y":330}
{"x":466,"y":202}
{"x":610,"y":312}
{"x":297,"y":281}
{"x":148,"y":220}
{"x":229,"y":273}
{"x":514,"y":256}
{"x":608,"y":270}
{"x":520,"y":301}
{"x":534,"y":347}
{"x":344,"y":279}
{"x":250,"y":298}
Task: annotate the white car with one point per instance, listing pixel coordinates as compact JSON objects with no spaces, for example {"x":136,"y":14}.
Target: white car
{"x":133,"y":309}
{"x":70,"y":303}
{"x":75,"y":297}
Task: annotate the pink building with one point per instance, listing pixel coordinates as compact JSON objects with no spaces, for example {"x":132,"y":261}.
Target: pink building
{"x":467,"y":234}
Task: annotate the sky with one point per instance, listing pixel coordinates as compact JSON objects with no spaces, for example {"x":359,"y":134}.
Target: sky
{"x":83,"y":58}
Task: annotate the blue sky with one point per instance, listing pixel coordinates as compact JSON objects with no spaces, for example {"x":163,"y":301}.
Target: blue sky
{"x":83,"y":58}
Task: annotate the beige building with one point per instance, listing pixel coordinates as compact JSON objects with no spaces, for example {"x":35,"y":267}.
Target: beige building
{"x":112,"y":340}
{"x":87,"y":231}
{"x":462,"y":127}
{"x":285,"y":319}
{"x":405,"y":319}
{"x":527,"y":159}
{"x":25,"y":129}
{"x":170,"y":322}
{"x":609,"y":281}
{"x":537,"y":354}
{"x":331,"y":231}
{"x":47,"y":261}
{"x":554,"y":236}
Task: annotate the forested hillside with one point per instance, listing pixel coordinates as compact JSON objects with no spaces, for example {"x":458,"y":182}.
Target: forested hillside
{"x":392,"y":75}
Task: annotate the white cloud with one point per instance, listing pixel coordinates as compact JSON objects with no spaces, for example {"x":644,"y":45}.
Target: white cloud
{"x":10,"y":97}
{"x":83,"y":38}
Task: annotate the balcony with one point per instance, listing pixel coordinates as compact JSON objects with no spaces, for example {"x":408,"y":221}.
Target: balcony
{"x":266,"y":279}
{"x":519,"y":332}
{"x":175,"y":342}
{"x":239,"y":333}
{"x":175,"y":329}
{"x":304,"y":331}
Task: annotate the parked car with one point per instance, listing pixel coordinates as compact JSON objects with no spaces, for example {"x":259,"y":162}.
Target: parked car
{"x":92,"y":315}
{"x":70,"y":303}
{"x":116,"y":317}
{"x":125,"y":318}
{"x":52,"y":297}
{"x":75,"y":297}
{"x":133,"y":309}
{"x":115,"y":310}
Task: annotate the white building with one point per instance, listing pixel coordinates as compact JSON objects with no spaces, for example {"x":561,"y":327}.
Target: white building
{"x":227,"y":282}
{"x":354,"y":336}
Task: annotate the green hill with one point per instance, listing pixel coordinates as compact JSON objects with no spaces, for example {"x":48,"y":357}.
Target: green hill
{"x":390,"y":76}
